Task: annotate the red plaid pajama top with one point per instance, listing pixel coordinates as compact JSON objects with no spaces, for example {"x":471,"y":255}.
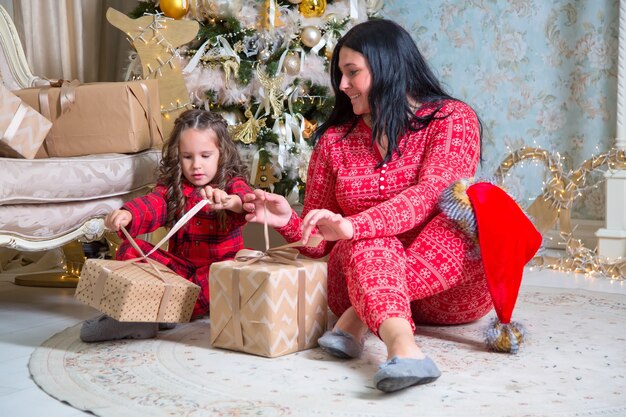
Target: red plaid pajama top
{"x":198,"y":244}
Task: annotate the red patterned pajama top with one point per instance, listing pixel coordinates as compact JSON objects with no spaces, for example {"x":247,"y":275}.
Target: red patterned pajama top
{"x":406,"y":259}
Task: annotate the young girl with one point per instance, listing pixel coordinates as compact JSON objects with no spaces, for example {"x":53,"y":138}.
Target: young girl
{"x":199,"y":161}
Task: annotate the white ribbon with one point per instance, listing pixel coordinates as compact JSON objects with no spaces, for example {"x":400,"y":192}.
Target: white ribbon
{"x":292,"y":125}
{"x":266,"y":103}
{"x":15,"y":123}
{"x":319,"y":45}
{"x":283,"y":140}
{"x":272,"y":16}
{"x":282,"y":60}
{"x":180,"y":223}
{"x":354,"y":9}
{"x":193,"y":63}
{"x":225,"y":49}
{"x":290,"y":93}
{"x":284,"y":54}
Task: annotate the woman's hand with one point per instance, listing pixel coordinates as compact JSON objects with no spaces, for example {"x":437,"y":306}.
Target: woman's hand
{"x":262,"y":206}
{"x":117,"y":218}
{"x":331,"y":226}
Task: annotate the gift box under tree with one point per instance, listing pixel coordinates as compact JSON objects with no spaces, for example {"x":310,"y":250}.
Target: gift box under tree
{"x":268,"y":303}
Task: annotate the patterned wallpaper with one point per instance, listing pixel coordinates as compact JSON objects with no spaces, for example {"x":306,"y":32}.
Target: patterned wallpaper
{"x":539,"y":73}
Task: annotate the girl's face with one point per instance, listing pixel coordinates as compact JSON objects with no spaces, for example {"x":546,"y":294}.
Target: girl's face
{"x":199,"y":155}
{"x":356,"y":79}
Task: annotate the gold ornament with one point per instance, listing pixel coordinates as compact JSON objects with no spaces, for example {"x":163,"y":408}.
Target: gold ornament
{"x":331,"y":18}
{"x":230,"y":66}
{"x":248,"y":131}
{"x":233,"y":117}
{"x":265,"y":176}
{"x":312,"y":8}
{"x":175,"y":9}
{"x":265,"y":23}
{"x":223,"y":8}
{"x":291,"y":64}
{"x":273,"y":95}
{"x":264,"y":56}
{"x":310,"y":36}
{"x":329,"y":48}
{"x":309,"y":128}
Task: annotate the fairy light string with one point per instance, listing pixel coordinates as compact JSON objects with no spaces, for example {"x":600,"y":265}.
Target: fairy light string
{"x":555,"y":202}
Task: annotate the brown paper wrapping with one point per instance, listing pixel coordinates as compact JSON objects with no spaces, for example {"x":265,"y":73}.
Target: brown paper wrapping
{"x":22,"y":129}
{"x":98,"y":117}
{"x":267,"y":308}
{"x":132,"y":291}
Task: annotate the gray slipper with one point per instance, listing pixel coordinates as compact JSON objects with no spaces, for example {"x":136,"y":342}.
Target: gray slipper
{"x":340,"y":344}
{"x":399,"y":373}
{"x":166,"y":326}
{"x":104,"y":328}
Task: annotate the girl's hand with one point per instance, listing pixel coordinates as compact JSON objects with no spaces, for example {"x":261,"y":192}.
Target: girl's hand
{"x":262,"y":206}
{"x":117,"y":218}
{"x":331,"y":226}
{"x":220,"y":200}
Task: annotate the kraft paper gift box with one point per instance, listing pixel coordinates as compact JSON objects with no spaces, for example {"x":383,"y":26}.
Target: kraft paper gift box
{"x":22,"y":128}
{"x":94,"y":118}
{"x":132,"y":291}
{"x":267,"y":308}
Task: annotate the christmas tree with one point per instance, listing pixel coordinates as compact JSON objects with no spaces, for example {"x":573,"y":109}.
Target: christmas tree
{"x":263,"y":65}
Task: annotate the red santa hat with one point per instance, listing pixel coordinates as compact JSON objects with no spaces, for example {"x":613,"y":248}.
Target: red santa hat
{"x":507,"y":240}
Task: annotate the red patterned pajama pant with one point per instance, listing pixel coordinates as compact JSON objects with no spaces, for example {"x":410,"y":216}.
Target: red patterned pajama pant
{"x":183,"y":267}
{"x":438,"y":278}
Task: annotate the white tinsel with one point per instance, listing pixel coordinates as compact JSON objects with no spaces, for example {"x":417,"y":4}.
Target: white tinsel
{"x":314,"y":70}
{"x":249,"y":14}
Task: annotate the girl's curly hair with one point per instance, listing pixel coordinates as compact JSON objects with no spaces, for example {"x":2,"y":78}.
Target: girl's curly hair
{"x":170,"y":172}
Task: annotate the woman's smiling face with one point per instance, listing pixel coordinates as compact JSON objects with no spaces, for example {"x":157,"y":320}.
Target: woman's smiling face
{"x":356,"y":79}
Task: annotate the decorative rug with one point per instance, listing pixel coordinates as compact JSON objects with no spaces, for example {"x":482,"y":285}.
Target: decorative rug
{"x":573,"y":364}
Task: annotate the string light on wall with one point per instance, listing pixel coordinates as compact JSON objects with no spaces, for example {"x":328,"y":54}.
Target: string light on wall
{"x":555,"y":202}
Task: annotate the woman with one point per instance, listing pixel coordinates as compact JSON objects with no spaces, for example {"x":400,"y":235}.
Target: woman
{"x":393,"y":142}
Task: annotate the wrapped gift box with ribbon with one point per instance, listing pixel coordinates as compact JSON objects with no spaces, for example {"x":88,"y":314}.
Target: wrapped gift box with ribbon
{"x":93,"y":118}
{"x":22,"y":129}
{"x":268,"y":303}
{"x":132,"y":290}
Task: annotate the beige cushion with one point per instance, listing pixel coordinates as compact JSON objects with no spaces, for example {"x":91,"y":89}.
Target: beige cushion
{"x":56,"y":180}
{"x":48,"y":221}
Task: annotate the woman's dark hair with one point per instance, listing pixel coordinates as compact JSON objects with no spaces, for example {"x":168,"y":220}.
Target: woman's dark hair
{"x":398,"y":71}
{"x":170,"y":173}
